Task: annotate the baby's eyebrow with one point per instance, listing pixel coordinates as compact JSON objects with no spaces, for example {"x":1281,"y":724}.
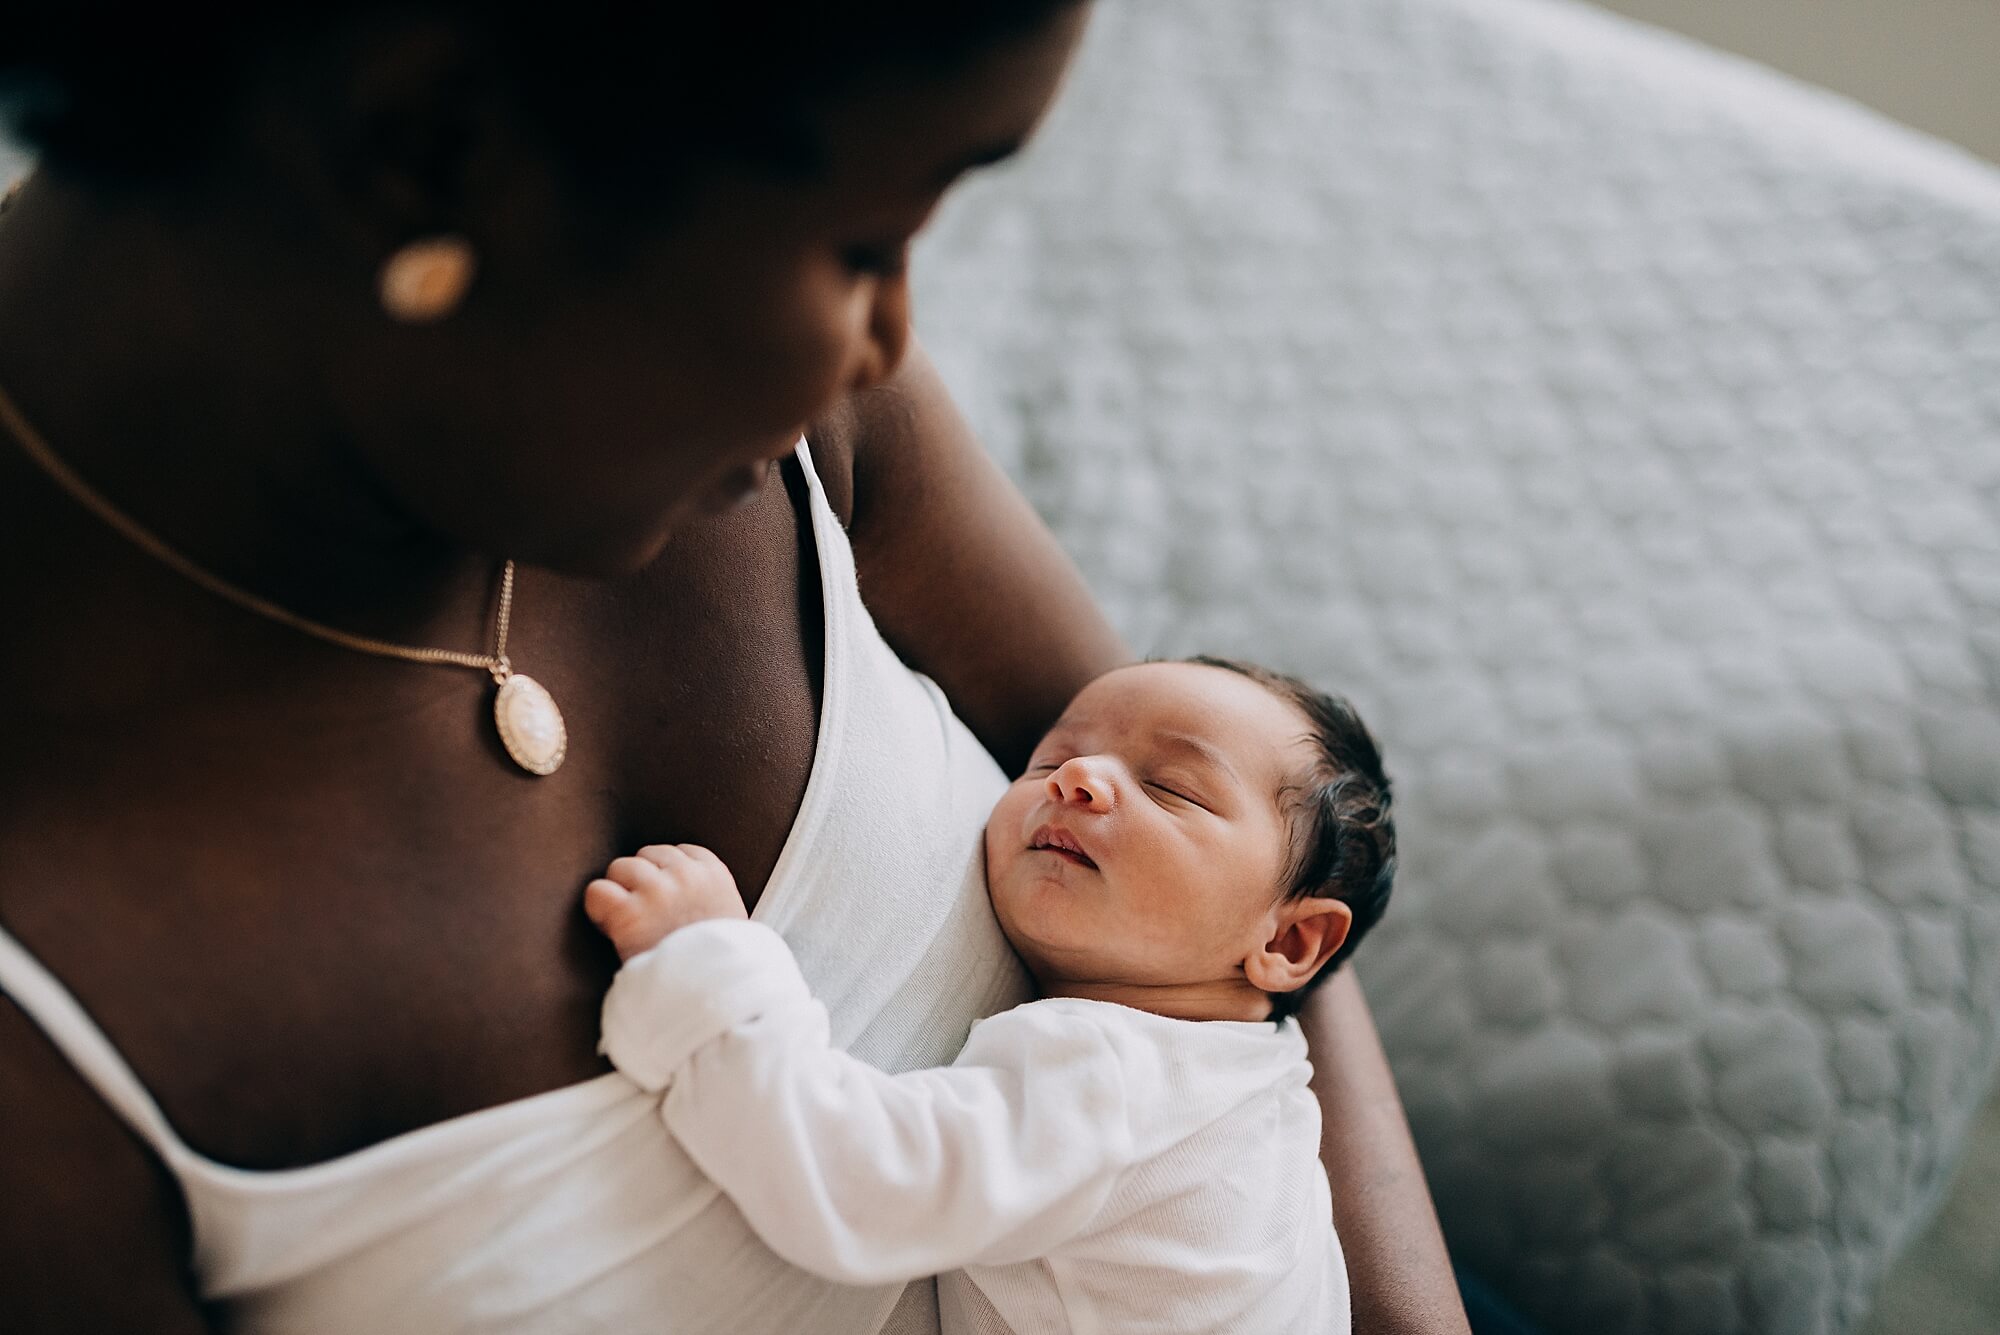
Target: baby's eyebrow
{"x":1202,"y":749}
{"x":1050,"y":738}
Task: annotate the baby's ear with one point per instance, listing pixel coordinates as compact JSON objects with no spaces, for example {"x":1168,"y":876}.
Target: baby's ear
{"x":1305,"y":935}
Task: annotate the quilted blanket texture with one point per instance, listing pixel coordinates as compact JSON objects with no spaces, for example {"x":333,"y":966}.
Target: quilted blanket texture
{"x":1619,"y":425}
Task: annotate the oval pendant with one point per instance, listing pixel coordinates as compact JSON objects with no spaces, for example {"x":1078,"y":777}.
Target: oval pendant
{"x":531,"y":727}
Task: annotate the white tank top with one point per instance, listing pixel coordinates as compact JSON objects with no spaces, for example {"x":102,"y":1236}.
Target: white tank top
{"x":574,"y":1210}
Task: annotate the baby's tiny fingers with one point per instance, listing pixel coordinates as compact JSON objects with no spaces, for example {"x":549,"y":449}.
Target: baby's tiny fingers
{"x":602,"y":898}
{"x":664,"y":855}
{"x":634,"y":872}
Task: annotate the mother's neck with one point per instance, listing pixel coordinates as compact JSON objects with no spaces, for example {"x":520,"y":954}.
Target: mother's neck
{"x":179,"y":377}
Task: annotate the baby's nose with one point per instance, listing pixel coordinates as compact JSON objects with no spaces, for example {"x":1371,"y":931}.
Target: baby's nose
{"x":1085,"y":782}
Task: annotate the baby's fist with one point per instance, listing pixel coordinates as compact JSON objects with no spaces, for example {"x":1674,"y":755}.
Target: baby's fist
{"x":640,"y":901}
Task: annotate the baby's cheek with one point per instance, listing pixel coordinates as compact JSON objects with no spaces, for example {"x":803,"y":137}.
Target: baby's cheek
{"x":1003,"y":827}
{"x":993,"y":855}
{"x":1197,"y":908}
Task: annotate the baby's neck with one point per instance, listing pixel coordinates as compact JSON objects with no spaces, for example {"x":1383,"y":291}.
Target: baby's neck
{"x":1216,"y":1000}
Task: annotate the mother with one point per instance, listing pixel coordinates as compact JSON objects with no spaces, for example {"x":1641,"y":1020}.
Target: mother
{"x":342,"y":308}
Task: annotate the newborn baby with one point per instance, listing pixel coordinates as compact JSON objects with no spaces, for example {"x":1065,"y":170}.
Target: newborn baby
{"x":1191,"y":847}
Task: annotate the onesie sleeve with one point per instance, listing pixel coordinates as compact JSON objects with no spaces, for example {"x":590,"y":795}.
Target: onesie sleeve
{"x":859,"y":1176}
{"x":694,"y":986}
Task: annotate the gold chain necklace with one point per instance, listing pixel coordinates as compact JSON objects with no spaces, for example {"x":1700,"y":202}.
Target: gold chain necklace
{"x":530,"y":726}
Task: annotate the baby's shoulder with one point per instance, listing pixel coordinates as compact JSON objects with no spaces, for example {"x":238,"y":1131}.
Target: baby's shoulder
{"x":1155,"y":1080}
{"x":1051,"y":1019}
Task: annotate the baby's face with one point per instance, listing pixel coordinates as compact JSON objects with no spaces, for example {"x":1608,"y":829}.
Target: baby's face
{"x":1145,"y":842}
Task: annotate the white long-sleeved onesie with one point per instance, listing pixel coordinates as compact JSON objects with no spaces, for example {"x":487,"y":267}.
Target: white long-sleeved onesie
{"x":1085,"y":1167}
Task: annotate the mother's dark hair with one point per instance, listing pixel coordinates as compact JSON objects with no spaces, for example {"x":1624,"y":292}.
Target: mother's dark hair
{"x":632,"y":95}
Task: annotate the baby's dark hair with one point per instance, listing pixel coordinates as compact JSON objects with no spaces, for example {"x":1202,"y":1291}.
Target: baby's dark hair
{"x":1343,"y":835}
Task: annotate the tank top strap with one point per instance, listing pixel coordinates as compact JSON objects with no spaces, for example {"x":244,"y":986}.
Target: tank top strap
{"x":59,"y":1015}
{"x":836,"y":558}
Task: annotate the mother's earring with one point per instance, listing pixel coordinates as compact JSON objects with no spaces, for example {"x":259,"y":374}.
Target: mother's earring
{"x":426,"y":279}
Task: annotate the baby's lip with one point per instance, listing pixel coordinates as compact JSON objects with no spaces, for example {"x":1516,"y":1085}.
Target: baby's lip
{"x":1054,"y":839}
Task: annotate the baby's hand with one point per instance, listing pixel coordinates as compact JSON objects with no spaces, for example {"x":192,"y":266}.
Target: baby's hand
{"x":642,"y":900}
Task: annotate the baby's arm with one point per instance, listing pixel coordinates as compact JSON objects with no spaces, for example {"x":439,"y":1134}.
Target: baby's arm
{"x":859,"y":1176}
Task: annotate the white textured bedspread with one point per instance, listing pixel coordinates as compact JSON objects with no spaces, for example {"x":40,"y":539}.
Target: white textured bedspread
{"x":1620,"y":426}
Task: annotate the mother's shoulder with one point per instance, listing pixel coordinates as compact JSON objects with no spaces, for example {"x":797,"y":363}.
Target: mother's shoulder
{"x":873,"y":444}
{"x":832,"y":437}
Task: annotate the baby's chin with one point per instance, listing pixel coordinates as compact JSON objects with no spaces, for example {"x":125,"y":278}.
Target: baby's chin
{"x":1039,"y":942}
{"x":1004,"y":912}
{"x":1057,"y":965}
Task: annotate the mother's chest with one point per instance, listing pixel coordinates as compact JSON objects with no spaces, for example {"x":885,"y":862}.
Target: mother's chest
{"x":313,"y":919}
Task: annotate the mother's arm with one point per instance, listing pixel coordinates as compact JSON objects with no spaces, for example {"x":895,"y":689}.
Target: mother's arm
{"x":1396,"y":1258}
{"x":972,"y":589}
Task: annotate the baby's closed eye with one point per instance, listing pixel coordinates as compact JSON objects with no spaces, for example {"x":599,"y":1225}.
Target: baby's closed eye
{"x":1177,"y":790}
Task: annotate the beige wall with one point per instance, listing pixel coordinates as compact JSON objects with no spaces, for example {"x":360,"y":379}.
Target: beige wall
{"x":1934,"y":64}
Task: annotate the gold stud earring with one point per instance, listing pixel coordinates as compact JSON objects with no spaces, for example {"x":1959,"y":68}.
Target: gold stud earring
{"x":425,"y":280}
